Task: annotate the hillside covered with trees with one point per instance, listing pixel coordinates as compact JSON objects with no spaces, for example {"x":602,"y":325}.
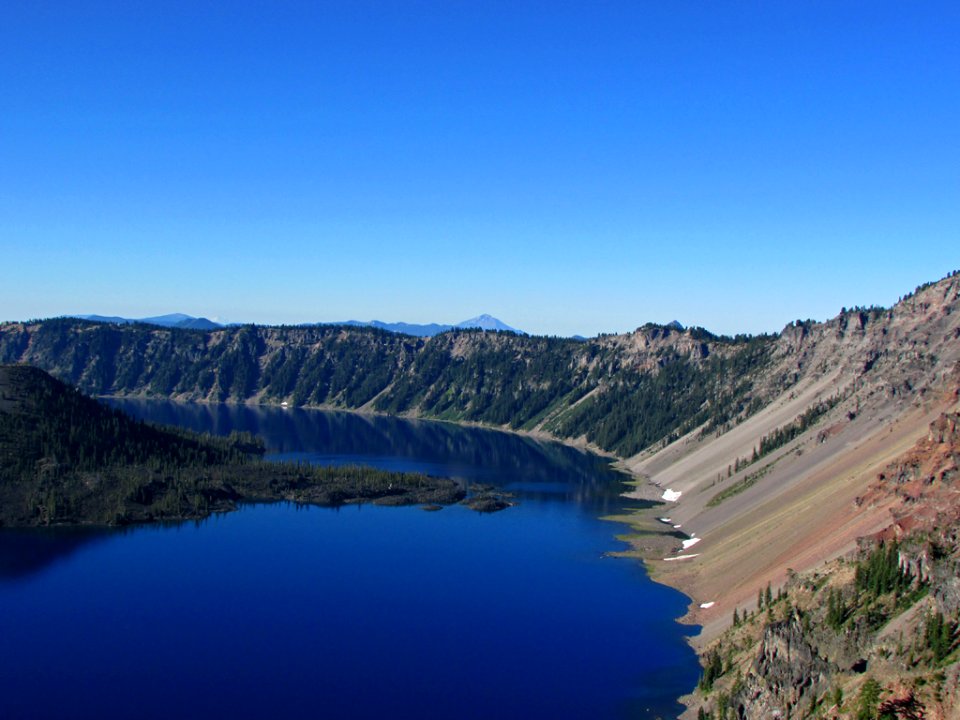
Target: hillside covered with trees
{"x":68,"y":459}
{"x":619,"y":396}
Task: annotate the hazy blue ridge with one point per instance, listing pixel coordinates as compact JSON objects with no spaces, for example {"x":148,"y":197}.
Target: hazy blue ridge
{"x":181,"y":320}
{"x":177,"y":320}
{"x":483,"y":322}
{"x":428,"y":330}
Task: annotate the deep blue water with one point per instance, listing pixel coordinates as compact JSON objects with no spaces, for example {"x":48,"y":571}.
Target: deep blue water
{"x":361,"y":612}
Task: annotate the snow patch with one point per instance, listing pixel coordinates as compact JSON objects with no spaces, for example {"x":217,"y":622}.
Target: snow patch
{"x":707,"y":605}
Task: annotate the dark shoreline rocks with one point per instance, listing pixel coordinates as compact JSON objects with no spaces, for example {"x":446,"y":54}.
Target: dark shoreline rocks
{"x":488,"y":501}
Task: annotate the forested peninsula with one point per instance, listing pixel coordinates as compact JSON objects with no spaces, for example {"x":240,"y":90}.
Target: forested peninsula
{"x":68,"y":459}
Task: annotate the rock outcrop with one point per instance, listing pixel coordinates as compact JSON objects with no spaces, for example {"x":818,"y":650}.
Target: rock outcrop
{"x":786,"y":671}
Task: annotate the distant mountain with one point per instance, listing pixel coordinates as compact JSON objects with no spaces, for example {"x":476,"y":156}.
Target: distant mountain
{"x":401,"y":327}
{"x":488,"y":322}
{"x":116,"y":320}
{"x":483,"y":322}
{"x":188,"y":322}
{"x":177,"y":320}
{"x":198,"y":324}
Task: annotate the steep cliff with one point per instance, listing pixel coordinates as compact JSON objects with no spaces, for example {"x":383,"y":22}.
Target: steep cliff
{"x":787,"y":486}
{"x":618,"y":393}
{"x":873,"y":635}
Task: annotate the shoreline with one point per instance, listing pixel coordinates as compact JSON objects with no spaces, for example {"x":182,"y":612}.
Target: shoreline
{"x":578,"y":444}
{"x":639,"y":522}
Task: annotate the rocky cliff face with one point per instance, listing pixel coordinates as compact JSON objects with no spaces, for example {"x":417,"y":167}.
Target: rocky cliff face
{"x":656,"y":381}
{"x":787,"y":669}
{"x":899,"y":350}
{"x":872,"y":634}
{"x":926,"y":482}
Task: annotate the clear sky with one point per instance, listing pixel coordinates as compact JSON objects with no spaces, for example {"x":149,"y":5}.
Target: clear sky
{"x":570,"y":167}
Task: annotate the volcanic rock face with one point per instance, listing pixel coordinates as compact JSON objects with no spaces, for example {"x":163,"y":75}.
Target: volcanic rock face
{"x":786,"y":669}
{"x":842,"y":633}
{"x":926,"y":483}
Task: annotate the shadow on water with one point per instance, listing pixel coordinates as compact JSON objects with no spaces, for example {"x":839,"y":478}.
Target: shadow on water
{"x":27,"y":551}
{"x":24,"y":552}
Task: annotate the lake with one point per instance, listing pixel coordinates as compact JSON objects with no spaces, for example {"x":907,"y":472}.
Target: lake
{"x":358,"y":612}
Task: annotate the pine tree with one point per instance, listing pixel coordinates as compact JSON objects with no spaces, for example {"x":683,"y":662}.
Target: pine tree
{"x":938,"y":636}
{"x":836,"y":610}
{"x":869,"y":700}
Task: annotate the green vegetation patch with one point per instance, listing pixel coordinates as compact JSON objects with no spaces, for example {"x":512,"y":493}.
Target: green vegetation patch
{"x":739,"y":486}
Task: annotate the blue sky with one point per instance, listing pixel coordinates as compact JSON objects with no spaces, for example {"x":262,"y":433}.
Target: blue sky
{"x":568,"y":167}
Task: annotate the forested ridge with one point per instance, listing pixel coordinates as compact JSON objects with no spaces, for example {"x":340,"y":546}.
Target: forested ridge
{"x":617,"y":395}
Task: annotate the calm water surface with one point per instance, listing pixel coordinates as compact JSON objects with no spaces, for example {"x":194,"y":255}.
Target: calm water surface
{"x":361,"y":612}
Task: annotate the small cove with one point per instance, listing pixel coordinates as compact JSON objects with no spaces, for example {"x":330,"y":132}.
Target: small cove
{"x":360,"y":611}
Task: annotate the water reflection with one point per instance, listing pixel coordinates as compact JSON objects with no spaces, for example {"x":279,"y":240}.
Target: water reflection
{"x":531,"y":468}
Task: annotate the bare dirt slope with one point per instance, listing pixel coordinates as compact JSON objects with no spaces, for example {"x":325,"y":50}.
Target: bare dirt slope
{"x":885,"y":615}
{"x":870,"y":382}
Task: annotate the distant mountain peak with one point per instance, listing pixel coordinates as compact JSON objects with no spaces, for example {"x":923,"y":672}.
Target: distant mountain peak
{"x":487,"y":322}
